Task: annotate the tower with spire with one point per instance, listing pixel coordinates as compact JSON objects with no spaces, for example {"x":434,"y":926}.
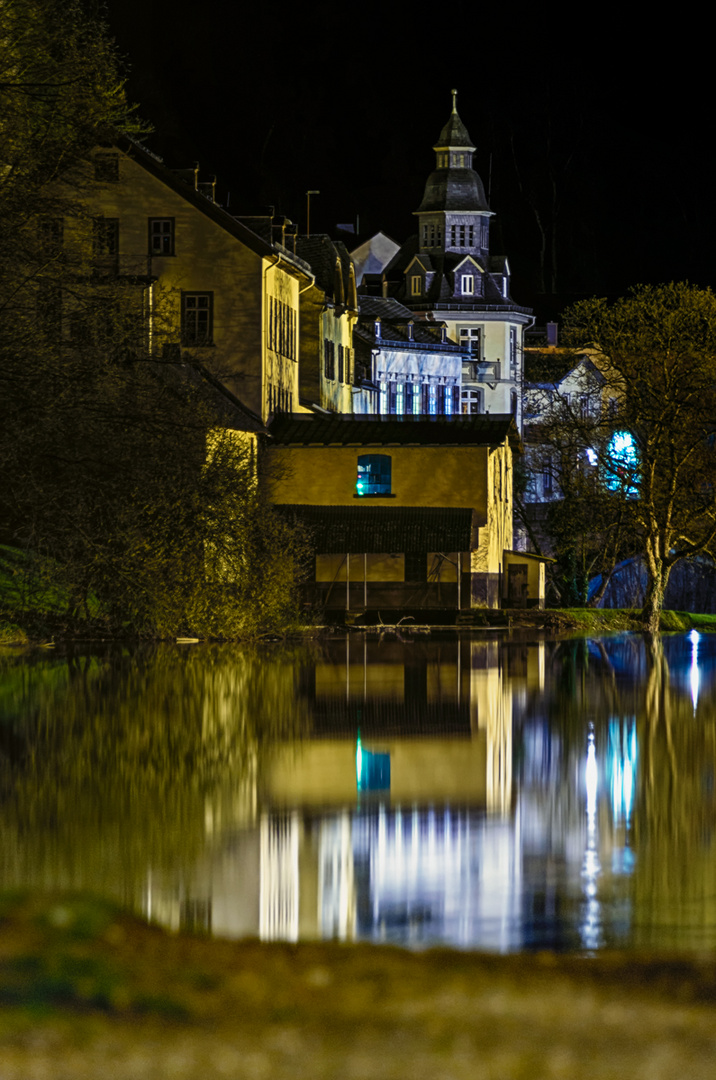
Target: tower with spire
{"x":447,"y":273}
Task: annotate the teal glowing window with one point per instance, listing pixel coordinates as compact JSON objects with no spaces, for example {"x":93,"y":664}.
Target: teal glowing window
{"x":374,"y":474}
{"x":372,"y":770}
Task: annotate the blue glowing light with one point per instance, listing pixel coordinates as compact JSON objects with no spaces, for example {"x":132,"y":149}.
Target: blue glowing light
{"x":622,"y":470}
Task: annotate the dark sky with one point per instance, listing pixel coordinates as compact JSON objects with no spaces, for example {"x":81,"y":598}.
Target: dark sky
{"x":593,"y":133}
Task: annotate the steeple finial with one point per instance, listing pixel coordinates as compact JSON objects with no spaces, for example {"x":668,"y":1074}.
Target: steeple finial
{"x":454,"y":100}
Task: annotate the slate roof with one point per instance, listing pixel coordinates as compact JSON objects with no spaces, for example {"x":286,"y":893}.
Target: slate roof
{"x":453,"y":190}
{"x":374,"y":430}
{"x":321,"y":253}
{"x":382,"y":529}
{"x":454,"y":134}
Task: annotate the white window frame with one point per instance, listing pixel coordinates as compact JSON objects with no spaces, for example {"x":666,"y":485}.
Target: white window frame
{"x":467,"y":285}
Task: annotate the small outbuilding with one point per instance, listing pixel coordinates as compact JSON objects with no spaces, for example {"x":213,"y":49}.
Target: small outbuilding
{"x":405,"y":512}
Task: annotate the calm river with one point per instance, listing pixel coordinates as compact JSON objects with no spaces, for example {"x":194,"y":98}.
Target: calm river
{"x":475,"y":791}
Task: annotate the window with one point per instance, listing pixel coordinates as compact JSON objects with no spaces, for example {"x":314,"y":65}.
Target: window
{"x":467,"y":285}
{"x":161,"y":236}
{"x":471,"y":235}
{"x":340,"y":363}
{"x":383,"y":397}
{"x":513,"y":403}
{"x":470,"y":339}
{"x":547,"y":483}
{"x":329,"y":359}
{"x":513,"y":346}
{"x":416,"y":286}
{"x":197,"y":318}
{"x":432,"y":399}
{"x":374,"y":475}
{"x":347,"y":366}
{"x":409,"y":398}
{"x":106,"y":238}
{"x":584,"y":407}
{"x":471,"y":402}
{"x":106,"y":168}
{"x":448,"y":401}
{"x":400,"y":398}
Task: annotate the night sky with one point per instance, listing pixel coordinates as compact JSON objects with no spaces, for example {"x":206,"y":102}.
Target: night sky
{"x":600,"y":131}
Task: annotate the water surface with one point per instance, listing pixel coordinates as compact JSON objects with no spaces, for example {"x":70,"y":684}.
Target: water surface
{"x":476,"y":791}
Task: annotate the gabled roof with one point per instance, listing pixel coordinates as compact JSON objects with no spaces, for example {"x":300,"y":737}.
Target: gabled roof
{"x":366,"y":430}
{"x":468,"y":258}
{"x":210,"y":209}
{"x":322,"y":254}
{"x":423,"y":259}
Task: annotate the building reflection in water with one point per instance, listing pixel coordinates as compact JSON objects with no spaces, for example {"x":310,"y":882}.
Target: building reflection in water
{"x":476,"y":792}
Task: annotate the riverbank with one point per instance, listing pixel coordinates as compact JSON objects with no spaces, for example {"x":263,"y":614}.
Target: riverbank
{"x":560,"y":621}
{"x":84,"y":985}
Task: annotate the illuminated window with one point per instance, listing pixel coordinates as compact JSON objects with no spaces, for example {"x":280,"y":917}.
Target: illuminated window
{"x":161,"y":236}
{"x":400,"y":398}
{"x":448,"y":401}
{"x":383,"y":397}
{"x":374,"y":475}
{"x":471,"y":402}
{"x":432,"y":399}
{"x":197,"y":318}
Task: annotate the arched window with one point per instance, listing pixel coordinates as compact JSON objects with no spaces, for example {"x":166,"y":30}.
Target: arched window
{"x":374,"y":475}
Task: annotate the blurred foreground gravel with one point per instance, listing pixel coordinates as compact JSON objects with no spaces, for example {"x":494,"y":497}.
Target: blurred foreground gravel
{"x":89,"y":992}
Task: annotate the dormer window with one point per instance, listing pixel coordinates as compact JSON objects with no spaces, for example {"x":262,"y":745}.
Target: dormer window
{"x":467,"y":285}
{"x":416,"y":285}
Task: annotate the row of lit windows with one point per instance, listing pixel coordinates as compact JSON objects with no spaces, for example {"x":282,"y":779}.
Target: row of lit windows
{"x":329,"y":361}
{"x":470,"y":285}
{"x":409,"y":399}
{"x":457,"y":159}
{"x":282,"y":328}
{"x":461,"y":236}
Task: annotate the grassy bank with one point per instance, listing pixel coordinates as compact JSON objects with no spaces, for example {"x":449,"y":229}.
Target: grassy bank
{"x":84,"y":985}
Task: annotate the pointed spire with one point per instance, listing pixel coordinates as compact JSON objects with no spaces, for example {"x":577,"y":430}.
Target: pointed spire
{"x":454,"y":134}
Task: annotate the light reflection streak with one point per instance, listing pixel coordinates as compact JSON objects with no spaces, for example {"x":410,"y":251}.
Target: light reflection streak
{"x":591,"y":924}
{"x":694,"y":678}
